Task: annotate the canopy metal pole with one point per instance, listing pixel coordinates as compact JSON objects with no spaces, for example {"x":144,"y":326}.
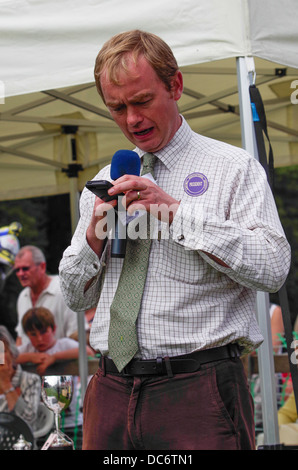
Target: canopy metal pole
{"x":74,"y":210}
{"x":74,"y":198}
{"x":83,"y":360}
{"x":246,"y":77}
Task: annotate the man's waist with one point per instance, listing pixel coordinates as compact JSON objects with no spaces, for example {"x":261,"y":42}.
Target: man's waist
{"x":186,"y":363}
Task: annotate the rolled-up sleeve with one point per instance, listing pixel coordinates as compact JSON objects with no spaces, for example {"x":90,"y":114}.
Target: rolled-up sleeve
{"x":249,"y":240}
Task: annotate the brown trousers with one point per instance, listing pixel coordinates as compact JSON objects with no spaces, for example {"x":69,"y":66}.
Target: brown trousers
{"x":211,"y":409}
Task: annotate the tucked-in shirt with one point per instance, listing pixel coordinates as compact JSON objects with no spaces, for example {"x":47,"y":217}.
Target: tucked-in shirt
{"x":51,"y":298}
{"x":190,"y":302}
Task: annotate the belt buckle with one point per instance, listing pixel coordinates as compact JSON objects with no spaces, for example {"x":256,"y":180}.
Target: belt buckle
{"x":124,"y":373}
{"x":234,"y":350}
{"x":159,"y":365}
{"x":155,"y":367}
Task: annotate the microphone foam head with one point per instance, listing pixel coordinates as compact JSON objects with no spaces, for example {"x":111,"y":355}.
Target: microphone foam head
{"x":125,"y":162}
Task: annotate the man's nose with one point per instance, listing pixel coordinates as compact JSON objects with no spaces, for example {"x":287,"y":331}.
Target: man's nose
{"x":133,"y":117}
{"x":20,"y":270}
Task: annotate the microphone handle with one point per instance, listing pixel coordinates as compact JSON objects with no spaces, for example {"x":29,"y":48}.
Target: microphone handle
{"x":118,"y":247}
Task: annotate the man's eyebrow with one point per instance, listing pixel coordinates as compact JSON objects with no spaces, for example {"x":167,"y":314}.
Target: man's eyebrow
{"x":141,"y":97}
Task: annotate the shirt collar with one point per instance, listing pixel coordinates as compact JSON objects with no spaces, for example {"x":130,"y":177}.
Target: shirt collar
{"x":50,"y":289}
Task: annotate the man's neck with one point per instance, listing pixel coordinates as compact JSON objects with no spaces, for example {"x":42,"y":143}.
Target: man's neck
{"x":39,"y":288}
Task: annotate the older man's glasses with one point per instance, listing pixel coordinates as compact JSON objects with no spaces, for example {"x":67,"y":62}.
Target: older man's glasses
{"x":24,"y":269}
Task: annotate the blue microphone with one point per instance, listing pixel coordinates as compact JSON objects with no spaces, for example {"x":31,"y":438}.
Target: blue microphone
{"x":124,"y":162}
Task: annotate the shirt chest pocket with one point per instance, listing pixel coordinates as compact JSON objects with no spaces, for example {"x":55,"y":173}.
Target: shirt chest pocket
{"x":175,"y":262}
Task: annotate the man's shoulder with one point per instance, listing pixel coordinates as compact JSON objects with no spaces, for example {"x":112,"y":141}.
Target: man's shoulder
{"x":54,"y":280}
{"x":223,"y":150}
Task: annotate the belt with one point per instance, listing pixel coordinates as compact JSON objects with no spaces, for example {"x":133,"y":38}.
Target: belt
{"x":171,"y":365}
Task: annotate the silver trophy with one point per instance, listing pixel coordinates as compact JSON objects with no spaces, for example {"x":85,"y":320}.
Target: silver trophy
{"x":56,"y":393}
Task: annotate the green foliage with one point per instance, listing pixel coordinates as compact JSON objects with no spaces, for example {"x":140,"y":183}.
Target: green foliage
{"x":28,"y":213}
{"x":46,"y":224}
{"x":286,"y":196}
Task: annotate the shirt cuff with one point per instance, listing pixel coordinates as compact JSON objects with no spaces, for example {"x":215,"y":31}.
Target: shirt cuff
{"x":187,"y":226}
{"x":93,"y":265}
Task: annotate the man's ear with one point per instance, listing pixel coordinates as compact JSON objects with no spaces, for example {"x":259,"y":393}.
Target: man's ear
{"x":43,"y":266}
{"x":177,"y":85}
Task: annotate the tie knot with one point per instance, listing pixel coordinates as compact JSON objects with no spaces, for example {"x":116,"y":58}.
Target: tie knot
{"x":149,"y":160}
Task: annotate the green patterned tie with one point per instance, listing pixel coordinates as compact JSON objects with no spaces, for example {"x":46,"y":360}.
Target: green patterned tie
{"x":123,"y":343}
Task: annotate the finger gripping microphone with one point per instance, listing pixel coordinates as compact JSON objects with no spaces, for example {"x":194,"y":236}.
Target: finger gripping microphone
{"x":124,"y":162}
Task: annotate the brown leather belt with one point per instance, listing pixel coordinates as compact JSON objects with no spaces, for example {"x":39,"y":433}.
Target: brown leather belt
{"x":172,"y":365}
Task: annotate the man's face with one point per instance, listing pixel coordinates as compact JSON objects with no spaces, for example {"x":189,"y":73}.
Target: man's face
{"x":28,"y":273}
{"x":42,"y":340}
{"x":142,"y":107}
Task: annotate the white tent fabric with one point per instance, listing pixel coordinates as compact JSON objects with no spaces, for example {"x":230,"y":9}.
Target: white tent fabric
{"x":49,"y":44}
{"x":273,"y":34}
{"x":66,"y":36}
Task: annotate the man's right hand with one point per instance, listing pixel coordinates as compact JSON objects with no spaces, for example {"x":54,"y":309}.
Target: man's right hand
{"x":97,"y":231}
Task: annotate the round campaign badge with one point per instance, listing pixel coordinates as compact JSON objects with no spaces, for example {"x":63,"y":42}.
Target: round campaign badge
{"x":195,"y":184}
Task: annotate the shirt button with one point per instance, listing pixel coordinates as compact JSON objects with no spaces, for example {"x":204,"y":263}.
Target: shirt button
{"x":95,"y":266}
{"x":180,"y":238}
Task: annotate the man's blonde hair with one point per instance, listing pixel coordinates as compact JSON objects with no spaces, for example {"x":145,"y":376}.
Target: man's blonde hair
{"x":114,"y":52}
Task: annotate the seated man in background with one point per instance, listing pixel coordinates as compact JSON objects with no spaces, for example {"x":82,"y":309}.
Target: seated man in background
{"x":41,"y":290}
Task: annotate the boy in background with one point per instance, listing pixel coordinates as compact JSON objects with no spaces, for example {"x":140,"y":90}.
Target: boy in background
{"x":44,"y":348}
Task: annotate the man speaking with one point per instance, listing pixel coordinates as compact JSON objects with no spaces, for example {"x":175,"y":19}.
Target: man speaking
{"x":174,"y":315}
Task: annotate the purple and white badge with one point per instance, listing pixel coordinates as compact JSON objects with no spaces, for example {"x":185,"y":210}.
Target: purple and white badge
{"x":195,"y":184}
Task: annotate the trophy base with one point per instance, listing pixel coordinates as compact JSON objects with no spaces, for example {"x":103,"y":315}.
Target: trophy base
{"x":58,"y":441}
{"x":65,"y":447}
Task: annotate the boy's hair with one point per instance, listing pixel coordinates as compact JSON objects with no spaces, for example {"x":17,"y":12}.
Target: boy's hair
{"x":114,"y":52}
{"x":39,"y":318}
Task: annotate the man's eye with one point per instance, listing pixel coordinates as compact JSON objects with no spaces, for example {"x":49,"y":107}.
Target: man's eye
{"x":117,"y":109}
{"x":143,"y":103}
